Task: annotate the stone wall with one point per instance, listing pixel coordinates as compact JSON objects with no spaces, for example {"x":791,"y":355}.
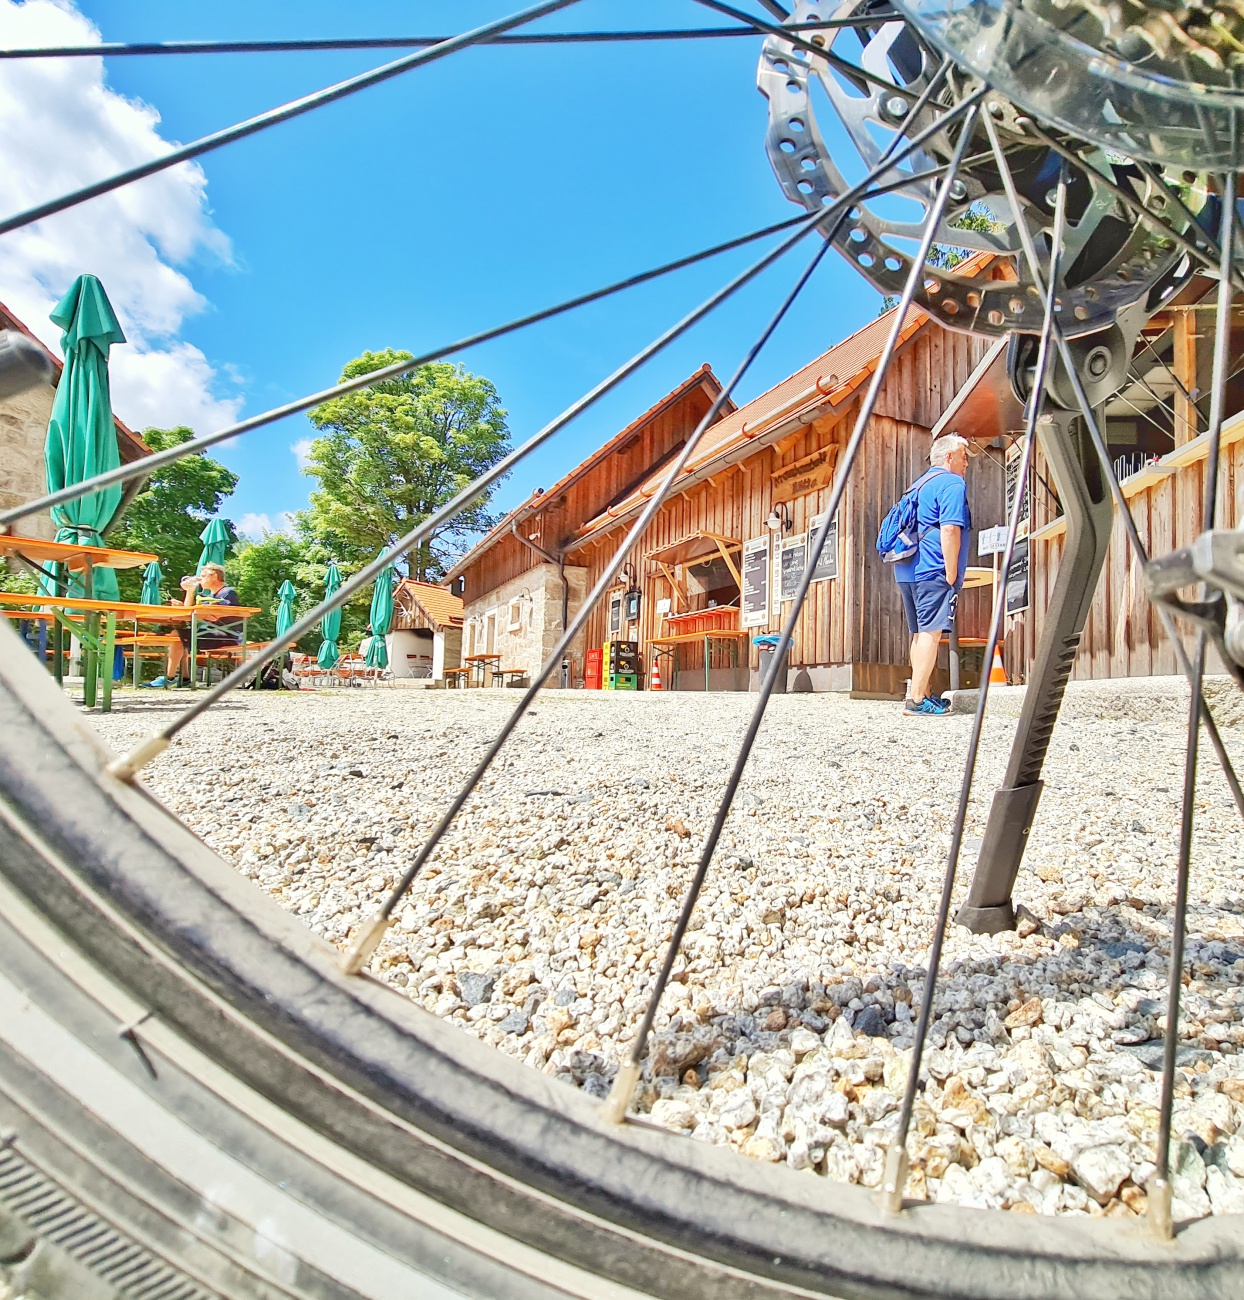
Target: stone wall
{"x":23,"y":430}
{"x":536,"y":598}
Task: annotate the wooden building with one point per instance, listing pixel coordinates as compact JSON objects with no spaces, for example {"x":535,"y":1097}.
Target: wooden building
{"x":427,"y":630}
{"x":1156,"y":430}
{"x":707,"y":574}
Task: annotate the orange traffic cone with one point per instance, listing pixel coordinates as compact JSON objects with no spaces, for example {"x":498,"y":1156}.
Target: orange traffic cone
{"x":997,"y":674}
{"x":655,"y":683}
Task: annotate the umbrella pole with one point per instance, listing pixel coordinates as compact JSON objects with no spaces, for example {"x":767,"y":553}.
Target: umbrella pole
{"x":106,"y":658}
{"x":137,"y":659}
{"x":58,"y":635}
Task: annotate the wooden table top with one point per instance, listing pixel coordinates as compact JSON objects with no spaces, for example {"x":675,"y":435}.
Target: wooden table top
{"x":977,"y":576}
{"x":472,"y":659}
{"x":131,"y":609}
{"x":713,"y":634}
{"x":71,"y":554}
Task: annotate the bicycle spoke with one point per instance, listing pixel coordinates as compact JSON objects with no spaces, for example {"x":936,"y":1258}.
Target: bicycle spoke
{"x":894,"y":1177}
{"x":1160,"y":1196}
{"x":864,"y":190}
{"x":284,"y":113}
{"x":369,"y":936}
{"x":126,"y":768}
{"x":809,"y":47}
{"x":121,"y":49}
{"x":629,"y":1069}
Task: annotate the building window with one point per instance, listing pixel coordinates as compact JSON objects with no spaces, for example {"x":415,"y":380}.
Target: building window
{"x":515,"y":622}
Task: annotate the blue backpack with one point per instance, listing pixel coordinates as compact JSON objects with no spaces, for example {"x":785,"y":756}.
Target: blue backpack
{"x":899,"y":538}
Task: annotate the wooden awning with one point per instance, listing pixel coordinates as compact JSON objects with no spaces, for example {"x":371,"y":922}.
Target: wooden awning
{"x":986,"y":407}
{"x":697,"y":548}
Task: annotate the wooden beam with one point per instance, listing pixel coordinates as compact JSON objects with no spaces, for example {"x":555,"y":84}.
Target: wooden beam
{"x":680,"y":592}
{"x":1183,"y":328}
{"x":725,"y":555}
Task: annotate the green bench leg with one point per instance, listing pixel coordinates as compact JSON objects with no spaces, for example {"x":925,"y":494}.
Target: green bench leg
{"x":106,"y":659}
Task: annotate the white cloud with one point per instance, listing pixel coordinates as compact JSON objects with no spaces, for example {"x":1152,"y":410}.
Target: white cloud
{"x":255,"y":526}
{"x":302,"y":452}
{"x":61,"y":127}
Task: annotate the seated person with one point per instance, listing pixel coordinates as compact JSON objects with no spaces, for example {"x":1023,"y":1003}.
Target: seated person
{"x":208,"y":588}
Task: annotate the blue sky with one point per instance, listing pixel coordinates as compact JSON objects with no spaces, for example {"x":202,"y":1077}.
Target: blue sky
{"x":463,"y":194}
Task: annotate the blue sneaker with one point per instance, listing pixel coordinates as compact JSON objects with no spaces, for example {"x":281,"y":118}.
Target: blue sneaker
{"x":927,"y":708}
{"x":157,"y":684}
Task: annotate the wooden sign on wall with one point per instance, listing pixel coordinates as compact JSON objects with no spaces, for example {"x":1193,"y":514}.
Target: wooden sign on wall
{"x":806,"y":475}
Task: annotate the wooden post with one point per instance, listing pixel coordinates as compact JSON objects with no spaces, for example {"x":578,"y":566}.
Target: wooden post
{"x":1185,"y":336}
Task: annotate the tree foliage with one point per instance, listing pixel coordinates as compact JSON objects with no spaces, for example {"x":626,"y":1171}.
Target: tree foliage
{"x":257,"y":570}
{"x":387,"y":457}
{"x":168,"y":515}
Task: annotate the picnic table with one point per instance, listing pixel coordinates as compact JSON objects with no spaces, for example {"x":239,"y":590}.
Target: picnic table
{"x":974,"y":576}
{"x":480,"y":664}
{"x":100,"y":647}
{"x":668,"y":645}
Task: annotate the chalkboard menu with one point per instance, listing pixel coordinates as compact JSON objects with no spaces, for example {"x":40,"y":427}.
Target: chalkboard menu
{"x":827,"y":565}
{"x":1014,"y":458}
{"x":615,"y":616}
{"x":1017,"y":579}
{"x":794,"y":559}
{"x":756,"y":582}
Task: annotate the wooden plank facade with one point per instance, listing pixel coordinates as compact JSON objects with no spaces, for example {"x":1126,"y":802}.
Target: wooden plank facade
{"x":778,"y":452}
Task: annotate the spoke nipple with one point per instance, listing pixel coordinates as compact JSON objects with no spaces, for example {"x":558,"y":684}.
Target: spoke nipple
{"x":619,"y":1098}
{"x":894,"y":1179}
{"x":1159,"y":1192}
{"x":127,"y":768}
{"x":356,"y":957}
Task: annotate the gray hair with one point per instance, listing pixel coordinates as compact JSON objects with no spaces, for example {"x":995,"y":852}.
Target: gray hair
{"x":940,"y":451}
{"x":213,"y":567}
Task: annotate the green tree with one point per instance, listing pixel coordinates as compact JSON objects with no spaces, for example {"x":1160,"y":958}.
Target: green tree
{"x":258,"y":569}
{"x":389,"y":456}
{"x":168,"y":515}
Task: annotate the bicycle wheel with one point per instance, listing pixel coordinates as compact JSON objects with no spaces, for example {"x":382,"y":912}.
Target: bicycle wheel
{"x":197,"y":1099}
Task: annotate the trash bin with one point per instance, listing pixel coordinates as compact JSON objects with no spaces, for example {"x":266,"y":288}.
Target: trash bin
{"x":767,"y":645}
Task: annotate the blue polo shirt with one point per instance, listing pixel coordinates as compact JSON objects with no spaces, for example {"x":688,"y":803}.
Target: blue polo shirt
{"x":942,"y":500}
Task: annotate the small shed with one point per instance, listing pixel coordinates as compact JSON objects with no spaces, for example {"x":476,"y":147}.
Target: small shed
{"x":427,"y":630}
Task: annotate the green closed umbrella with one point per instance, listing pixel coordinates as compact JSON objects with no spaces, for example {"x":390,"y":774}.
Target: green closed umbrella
{"x":330,"y":624}
{"x":286,"y":615}
{"x":381,"y":619}
{"x":153,"y":576}
{"x":215,"y":539}
{"x":82,"y":437}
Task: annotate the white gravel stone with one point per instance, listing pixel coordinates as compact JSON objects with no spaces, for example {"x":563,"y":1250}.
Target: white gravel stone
{"x":540,"y":920}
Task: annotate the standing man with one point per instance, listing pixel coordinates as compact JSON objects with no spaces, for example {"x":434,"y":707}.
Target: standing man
{"x":207,"y":589}
{"x":943,"y":525}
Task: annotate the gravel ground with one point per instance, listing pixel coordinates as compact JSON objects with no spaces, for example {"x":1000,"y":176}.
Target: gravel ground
{"x":538,"y":924}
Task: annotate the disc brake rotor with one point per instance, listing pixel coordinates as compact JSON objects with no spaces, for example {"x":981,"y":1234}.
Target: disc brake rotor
{"x":1111,"y":260}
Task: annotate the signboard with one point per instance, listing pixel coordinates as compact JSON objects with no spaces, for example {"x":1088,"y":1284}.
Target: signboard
{"x":615,"y":616}
{"x":756,"y":582}
{"x":991,"y":541}
{"x":827,"y":565}
{"x":663,"y":605}
{"x":794,"y":560}
{"x":775,"y":579}
{"x":1017,"y":579}
{"x":1014,"y":455}
{"x":806,"y":475}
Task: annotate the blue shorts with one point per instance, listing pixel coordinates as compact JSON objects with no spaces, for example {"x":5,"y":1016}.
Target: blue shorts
{"x":936,"y":601}
{"x":907,"y":590}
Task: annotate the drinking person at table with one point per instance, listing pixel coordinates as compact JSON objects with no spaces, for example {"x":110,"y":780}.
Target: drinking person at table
{"x":209,"y":588}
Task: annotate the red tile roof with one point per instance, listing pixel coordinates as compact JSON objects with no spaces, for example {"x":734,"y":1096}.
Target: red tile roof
{"x":703,"y":377}
{"x":442,"y":607}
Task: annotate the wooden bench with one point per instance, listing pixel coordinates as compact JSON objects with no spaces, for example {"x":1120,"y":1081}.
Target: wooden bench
{"x":457,"y":676}
{"x":511,"y":676}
